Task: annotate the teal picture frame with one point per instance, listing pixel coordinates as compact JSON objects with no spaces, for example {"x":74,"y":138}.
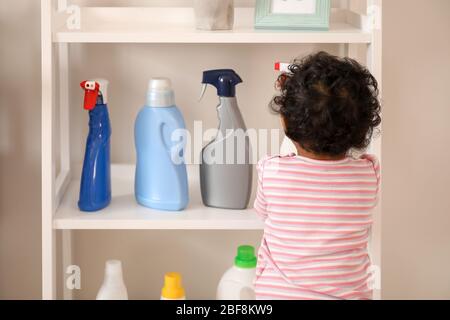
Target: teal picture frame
{"x":266,"y":19}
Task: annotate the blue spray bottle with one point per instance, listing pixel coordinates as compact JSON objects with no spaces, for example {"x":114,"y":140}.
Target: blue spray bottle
{"x":95,"y":190}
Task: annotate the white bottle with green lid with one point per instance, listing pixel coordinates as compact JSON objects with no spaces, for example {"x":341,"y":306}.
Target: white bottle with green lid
{"x":238,"y":282}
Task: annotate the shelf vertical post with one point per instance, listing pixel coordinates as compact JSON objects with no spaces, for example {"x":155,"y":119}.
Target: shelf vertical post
{"x":48,"y":168}
{"x":374,"y":61}
{"x":64,"y":123}
{"x":371,"y":22}
{"x":67,"y":260}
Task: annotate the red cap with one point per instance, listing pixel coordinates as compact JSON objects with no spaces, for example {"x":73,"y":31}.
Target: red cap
{"x":277,"y":66}
{"x":92,"y":90}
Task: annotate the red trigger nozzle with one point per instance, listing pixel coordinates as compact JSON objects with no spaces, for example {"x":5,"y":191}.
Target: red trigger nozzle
{"x":92,"y":90}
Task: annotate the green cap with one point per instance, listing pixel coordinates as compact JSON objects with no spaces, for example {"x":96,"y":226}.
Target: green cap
{"x":246,"y":258}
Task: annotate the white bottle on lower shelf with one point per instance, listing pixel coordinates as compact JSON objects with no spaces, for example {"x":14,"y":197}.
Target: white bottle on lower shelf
{"x":238,"y":282}
{"x":113,"y":287}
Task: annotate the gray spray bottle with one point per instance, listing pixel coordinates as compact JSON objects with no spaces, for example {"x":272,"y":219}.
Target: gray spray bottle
{"x":226,"y":169}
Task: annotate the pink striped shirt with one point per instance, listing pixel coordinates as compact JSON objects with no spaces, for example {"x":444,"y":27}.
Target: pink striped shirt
{"x":318,"y":216}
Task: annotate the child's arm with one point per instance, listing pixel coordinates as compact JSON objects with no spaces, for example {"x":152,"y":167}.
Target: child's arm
{"x":260,"y":202}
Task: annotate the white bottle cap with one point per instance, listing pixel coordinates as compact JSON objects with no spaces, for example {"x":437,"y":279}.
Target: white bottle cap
{"x":160,"y":93}
{"x":103,"y":88}
{"x":113,"y":268}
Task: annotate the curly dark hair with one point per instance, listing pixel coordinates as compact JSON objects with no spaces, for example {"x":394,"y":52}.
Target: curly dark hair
{"x":330,"y":105}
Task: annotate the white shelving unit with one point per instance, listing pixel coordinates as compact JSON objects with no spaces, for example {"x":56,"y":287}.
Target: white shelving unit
{"x":358,"y":32}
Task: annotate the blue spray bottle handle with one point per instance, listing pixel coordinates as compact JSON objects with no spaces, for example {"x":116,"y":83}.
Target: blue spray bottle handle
{"x":224,"y":80}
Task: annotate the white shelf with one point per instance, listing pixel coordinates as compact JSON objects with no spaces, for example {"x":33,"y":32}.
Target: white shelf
{"x":125,"y":213}
{"x":176,"y":25}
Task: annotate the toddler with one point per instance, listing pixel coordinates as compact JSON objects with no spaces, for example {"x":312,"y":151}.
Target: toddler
{"x":317,"y":205}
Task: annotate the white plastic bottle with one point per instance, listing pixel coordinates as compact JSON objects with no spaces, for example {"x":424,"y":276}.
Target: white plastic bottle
{"x":161,"y":181}
{"x":288,"y":147}
{"x":238,"y":282}
{"x":173,"y":287}
{"x":113,"y":287}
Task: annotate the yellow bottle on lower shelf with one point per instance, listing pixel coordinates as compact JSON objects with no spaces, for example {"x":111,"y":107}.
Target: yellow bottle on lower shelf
{"x":173,"y":287}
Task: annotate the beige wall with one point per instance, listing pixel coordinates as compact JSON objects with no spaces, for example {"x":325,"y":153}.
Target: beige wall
{"x":416,"y":207}
{"x":20,"y":250}
{"x":416,"y":149}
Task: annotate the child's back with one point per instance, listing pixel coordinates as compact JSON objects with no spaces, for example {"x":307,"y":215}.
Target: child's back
{"x":318,"y":206}
{"x":318,"y":217}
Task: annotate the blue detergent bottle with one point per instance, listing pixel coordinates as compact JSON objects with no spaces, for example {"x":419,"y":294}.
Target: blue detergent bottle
{"x":161,"y":176}
{"x":95,"y":189}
